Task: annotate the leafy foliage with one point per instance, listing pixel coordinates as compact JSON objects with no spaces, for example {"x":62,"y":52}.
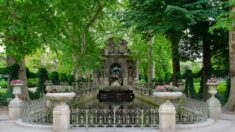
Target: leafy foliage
{"x":42,"y":77}
{"x":54,"y":77}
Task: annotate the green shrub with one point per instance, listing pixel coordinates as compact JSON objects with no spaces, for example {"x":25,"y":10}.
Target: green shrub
{"x":34,"y":95}
{"x":3,"y":90}
{"x":196,"y":87}
{"x":54,"y":77}
{"x":197,"y":80}
{"x":222,"y":87}
{"x":70,"y":79}
{"x":3,"y":84}
{"x":32,"y":82}
{"x":63,"y":77}
{"x":5,"y":98}
{"x":42,"y":77}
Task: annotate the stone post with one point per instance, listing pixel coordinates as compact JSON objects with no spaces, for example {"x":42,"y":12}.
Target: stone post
{"x":61,"y":111}
{"x":61,"y":118}
{"x":125,"y":72}
{"x":15,"y":107}
{"x":167,"y":114}
{"x":214,"y":105}
{"x":16,"y":104}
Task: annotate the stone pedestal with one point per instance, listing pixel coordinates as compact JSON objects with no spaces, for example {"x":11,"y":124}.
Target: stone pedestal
{"x":15,"y":107}
{"x":167,"y":112}
{"x":214,"y":105}
{"x":167,"y":116}
{"x":214,"y":108}
{"x":61,"y":111}
{"x":61,"y":118}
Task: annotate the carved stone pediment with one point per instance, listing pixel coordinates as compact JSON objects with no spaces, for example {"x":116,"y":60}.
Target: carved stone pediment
{"x":116,"y":46}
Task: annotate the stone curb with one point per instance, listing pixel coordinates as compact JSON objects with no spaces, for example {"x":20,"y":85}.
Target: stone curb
{"x":208,"y":122}
{"x":21,"y":123}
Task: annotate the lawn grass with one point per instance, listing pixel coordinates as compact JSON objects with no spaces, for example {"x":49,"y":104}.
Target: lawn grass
{"x":3,"y":90}
{"x":221,"y":88}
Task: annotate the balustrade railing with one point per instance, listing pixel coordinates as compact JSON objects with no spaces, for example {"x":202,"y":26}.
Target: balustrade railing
{"x":114,"y":118}
{"x":188,"y":111}
{"x":35,"y":111}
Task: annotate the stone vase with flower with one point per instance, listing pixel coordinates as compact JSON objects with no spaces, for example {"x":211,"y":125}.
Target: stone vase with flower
{"x":16,"y":104}
{"x":213,"y":103}
{"x":61,"y":112}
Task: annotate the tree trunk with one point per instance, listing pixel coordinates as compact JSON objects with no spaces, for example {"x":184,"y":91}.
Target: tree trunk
{"x":175,"y":38}
{"x":176,"y":63}
{"x":150,"y":63}
{"x":231,"y":102}
{"x":10,"y":61}
{"x":206,"y":72}
{"x":23,"y":77}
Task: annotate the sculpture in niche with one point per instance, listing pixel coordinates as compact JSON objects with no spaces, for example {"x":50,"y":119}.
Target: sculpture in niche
{"x":117,"y":62}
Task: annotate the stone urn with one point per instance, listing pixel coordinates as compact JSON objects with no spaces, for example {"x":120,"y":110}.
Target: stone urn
{"x":61,"y":111}
{"x":212,"y":88}
{"x":181,"y":86}
{"x":15,"y":104}
{"x":213,"y":103}
{"x":167,"y":112}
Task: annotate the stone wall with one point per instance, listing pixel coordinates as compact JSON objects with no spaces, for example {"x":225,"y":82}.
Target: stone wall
{"x":147,"y":98}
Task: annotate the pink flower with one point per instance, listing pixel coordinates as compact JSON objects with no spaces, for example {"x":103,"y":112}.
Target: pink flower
{"x":212,"y":80}
{"x":16,"y":82}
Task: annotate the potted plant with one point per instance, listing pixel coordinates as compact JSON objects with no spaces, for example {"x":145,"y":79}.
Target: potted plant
{"x":17,"y":85}
{"x":167,"y":112}
{"x":61,"y":111}
{"x":16,"y":103}
{"x":60,"y":93}
{"x":212,"y":83}
{"x":167,"y":92}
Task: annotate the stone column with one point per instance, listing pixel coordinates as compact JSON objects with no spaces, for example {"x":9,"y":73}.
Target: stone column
{"x":106,"y":73}
{"x":61,"y":118}
{"x":125,"y":72}
{"x":167,"y":116}
{"x":95,"y":79}
{"x":214,"y":105}
{"x":136,"y":79}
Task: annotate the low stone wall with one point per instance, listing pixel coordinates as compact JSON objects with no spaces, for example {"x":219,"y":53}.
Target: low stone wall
{"x":81,"y":99}
{"x":146,"y":98}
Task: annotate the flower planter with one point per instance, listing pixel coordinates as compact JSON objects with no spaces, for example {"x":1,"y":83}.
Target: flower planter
{"x":16,"y":104}
{"x":213,"y":103}
{"x":168,"y":95}
{"x":60,"y":97}
{"x":212,"y":88}
{"x":17,"y":89}
{"x":167,"y":112}
{"x":61,"y":111}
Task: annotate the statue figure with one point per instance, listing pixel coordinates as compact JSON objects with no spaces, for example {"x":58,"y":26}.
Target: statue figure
{"x":116,"y":75}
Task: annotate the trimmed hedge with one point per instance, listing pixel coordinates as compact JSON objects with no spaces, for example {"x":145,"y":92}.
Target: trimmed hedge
{"x":5,"y":98}
{"x":3,"y":84}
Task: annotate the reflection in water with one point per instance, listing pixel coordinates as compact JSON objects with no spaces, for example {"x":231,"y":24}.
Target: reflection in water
{"x":95,"y":104}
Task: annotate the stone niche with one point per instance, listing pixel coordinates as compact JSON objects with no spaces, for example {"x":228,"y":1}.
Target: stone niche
{"x":117,"y":64}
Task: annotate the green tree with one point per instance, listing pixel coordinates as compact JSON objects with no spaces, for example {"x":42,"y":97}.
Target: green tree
{"x":24,"y":27}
